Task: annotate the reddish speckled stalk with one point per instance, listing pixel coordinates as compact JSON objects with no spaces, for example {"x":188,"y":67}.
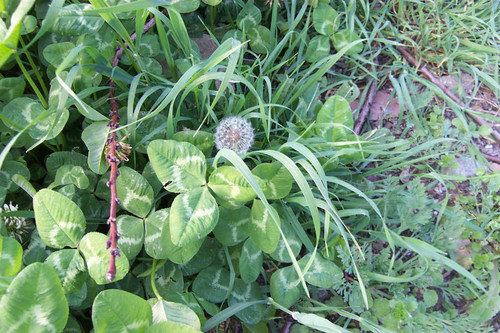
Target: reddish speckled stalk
{"x":113,"y":161}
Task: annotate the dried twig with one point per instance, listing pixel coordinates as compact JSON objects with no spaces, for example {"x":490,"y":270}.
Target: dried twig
{"x":492,"y":158}
{"x":372,"y":86}
{"x":428,"y":74}
{"x":116,"y":152}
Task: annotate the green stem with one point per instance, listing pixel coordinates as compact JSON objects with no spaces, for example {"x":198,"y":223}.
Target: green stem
{"x":153,"y":282}
{"x":278,"y":306}
{"x":32,"y":84}
{"x":35,"y":69}
{"x":213,"y":12}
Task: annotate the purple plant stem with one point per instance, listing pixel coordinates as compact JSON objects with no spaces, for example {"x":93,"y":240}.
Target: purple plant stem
{"x":113,"y":161}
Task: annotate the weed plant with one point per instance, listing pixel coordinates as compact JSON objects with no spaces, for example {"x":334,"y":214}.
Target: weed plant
{"x":246,"y":200}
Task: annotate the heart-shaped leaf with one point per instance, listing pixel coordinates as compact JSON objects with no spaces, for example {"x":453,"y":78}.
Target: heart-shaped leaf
{"x":212,"y":284}
{"x":322,"y":272}
{"x":120,"y":311}
{"x":70,"y":268}
{"x":248,"y":17}
{"x":134,"y":192}
{"x":158,"y":242}
{"x":72,"y":174}
{"x":260,"y":37}
{"x":344,"y":37}
{"x":131,"y":230}
{"x":11,"y":254}
{"x":243,"y":292}
{"x":335,"y":119}
{"x":285,"y":286}
{"x":179,"y":165}
{"x":250,"y":261}
{"x":325,"y":19}
{"x":317,"y":49}
{"x":193,"y":215}
{"x":262,"y":228}
{"x":175,"y":312}
{"x":60,"y":222}
{"x":276,"y":179}
{"x":95,"y":136}
{"x":97,"y":258}
{"x":35,"y":302}
{"x":229,"y":185}
{"x":204,"y":141}
{"x":231,"y":228}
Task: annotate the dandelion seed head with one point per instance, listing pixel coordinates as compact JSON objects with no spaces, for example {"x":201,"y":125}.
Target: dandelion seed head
{"x":234,"y":133}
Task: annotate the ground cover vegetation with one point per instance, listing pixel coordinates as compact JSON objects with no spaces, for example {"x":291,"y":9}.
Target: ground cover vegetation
{"x":149,"y":183}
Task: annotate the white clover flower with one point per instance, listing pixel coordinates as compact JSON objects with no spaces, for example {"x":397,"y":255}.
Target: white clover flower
{"x":17,"y":227}
{"x":234,"y":133}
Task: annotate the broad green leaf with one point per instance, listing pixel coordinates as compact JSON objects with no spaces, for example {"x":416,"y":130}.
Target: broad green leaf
{"x":70,"y":268}
{"x":11,"y":254}
{"x":250,"y":261}
{"x":9,"y":169}
{"x":95,"y":136}
{"x":150,"y":176}
{"x":158,"y":243}
{"x":37,"y":250}
{"x":248,"y":17}
{"x":335,"y":119}
{"x":325,"y":19}
{"x":276,"y":178}
{"x":285,"y":286}
{"x":234,"y":34}
{"x":262,"y":229}
{"x":60,"y":158}
{"x":208,"y":253}
{"x":60,"y":222}
{"x":342,"y":38}
{"x":120,"y":311}
{"x":231,"y":228}
{"x":228,"y":184}
{"x":212,"y":2}
{"x":131,"y":230}
{"x":28,"y":25}
{"x":185,"y":6}
{"x":73,"y":21}
{"x":168,"y":326}
{"x":11,"y":88}
{"x":193,"y":215}
{"x":204,"y":141}
{"x":72,"y":174}
{"x":322,"y":272}
{"x":23,"y":110}
{"x":318,"y":323}
{"x":281,"y":253}
{"x":149,"y":46}
{"x":260,"y":38}
{"x":243,"y":292}
{"x":34,"y":302}
{"x":168,"y":279}
{"x":72,"y":326}
{"x":175,"y":312}
{"x":180,"y":166}
{"x":56,"y":53}
{"x":318,"y":48}
{"x":212,"y":284}
{"x":134,"y":192}
{"x":97,"y":258}
{"x":188,"y":298}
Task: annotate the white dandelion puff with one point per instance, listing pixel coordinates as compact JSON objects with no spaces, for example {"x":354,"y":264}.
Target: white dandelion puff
{"x":234,"y":133}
